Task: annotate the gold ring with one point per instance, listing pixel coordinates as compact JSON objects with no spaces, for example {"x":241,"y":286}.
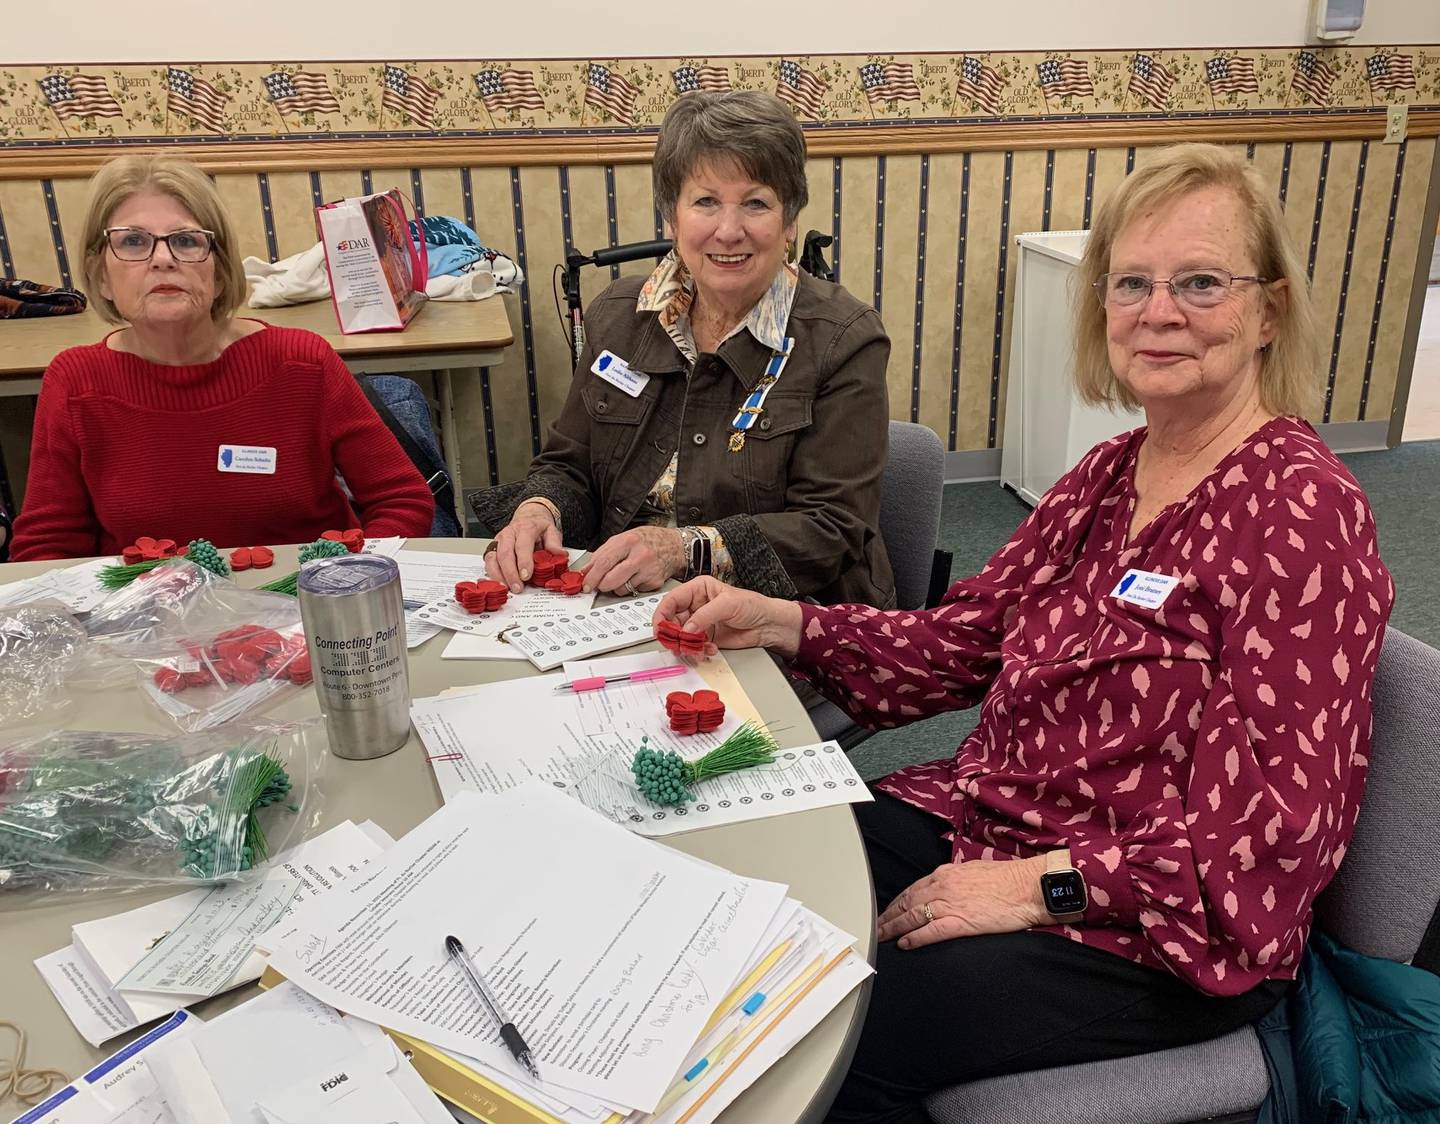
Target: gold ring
{"x":630,"y":588}
{"x":929,"y":917}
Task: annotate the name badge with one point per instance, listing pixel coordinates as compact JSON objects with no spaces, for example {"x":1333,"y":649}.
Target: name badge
{"x":1140,"y":587}
{"x":246,"y":458}
{"x":617,"y":373}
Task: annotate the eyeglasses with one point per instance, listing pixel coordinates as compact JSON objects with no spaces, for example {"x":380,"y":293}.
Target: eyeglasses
{"x":130,"y":243}
{"x":1197,"y":288}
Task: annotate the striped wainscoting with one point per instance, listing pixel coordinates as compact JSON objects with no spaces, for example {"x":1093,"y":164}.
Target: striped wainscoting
{"x":928,"y":237}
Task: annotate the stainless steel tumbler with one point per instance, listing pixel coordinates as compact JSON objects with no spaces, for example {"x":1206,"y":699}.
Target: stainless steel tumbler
{"x":354,"y":619}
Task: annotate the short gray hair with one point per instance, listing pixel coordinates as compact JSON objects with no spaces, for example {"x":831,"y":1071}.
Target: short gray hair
{"x":755,"y":131}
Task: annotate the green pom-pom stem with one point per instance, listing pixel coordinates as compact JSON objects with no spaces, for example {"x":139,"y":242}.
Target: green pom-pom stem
{"x":202,"y":552}
{"x":667,"y":778}
{"x":320,"y":548}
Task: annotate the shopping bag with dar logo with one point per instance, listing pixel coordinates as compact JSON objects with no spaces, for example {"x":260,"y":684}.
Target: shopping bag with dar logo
{"x":377,"y":270}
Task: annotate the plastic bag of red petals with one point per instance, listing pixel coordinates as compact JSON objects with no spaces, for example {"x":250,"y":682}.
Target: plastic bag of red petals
{"x":213,"y":653}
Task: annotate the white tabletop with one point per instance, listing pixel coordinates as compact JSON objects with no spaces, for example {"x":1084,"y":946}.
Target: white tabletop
{"x":818,"y":853}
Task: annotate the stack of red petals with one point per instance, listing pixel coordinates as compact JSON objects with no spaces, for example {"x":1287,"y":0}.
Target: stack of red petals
{"x":481,"y":596}
{"x":694,"y":714}
{"x":548,"y":565}
{"x":251,"y":557}
{"x":146,"y":549}
{"x":353,"y":539}
{"x":569,"y":583}
{"x":678,"y":639}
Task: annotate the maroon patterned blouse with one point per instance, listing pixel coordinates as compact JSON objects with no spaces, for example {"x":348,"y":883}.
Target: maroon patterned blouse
{"x":1203,"y":760}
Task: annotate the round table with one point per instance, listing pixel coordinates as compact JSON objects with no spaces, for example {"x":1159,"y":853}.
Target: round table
{"x":817,"y":853}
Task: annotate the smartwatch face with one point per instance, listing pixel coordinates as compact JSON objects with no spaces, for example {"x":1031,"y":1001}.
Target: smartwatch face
{"x":1064,"y":892}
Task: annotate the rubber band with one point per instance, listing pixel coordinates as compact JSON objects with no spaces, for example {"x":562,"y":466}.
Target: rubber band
{"x":28,"y":1086}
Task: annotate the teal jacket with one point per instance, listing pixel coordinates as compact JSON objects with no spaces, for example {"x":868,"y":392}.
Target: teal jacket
{"x":1356,"y":1042}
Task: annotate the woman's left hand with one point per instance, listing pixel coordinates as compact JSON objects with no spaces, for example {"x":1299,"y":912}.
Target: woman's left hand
{"x":966,"y":900}
{"x":645,"y":557}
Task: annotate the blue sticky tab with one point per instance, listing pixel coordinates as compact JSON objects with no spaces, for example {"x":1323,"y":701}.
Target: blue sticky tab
{"x":697,"y":1069}
{"x":754,"y":1003}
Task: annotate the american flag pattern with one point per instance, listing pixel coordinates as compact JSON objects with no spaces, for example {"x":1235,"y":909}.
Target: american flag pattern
{"x":1150,"y":81}
{"x":1065,"y":76}
{"x":604,"y":89}
{"x":80,"y":95}
{"x":508,"y":89}
{"x":196,"y":98}
{"x":1390,"y":72}
{"x":801,"y":88}
{"x":889,"y":80}
{"x":1313,"y":78}
{"x":412,"y":96}
{"x":1203,"y":761}
{"x":302,"y":92}
{"x":1230,"y":74}
{"x":688,"y":79}
{"x":981,"y":84}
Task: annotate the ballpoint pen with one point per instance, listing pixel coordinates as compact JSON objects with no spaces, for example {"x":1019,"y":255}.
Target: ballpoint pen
{"x":511,"y":1037}
{"x":594,"y":683}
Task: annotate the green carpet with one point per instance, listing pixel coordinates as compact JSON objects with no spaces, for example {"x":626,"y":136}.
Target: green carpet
{"x":1404,"y":489}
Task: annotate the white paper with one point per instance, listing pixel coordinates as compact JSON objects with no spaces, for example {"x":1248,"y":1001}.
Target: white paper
{"x":470,"y":647}
{"x":427,"y":576}
{"x":77,"y":587}
{"x":201,"y":954}
{"x":499,"y":735}
{"x":107,"y":948}
{"x":418,"y":631}
{"x":609,"y":1006}
{"x":574,"y":636}
{"x":356,"y":1089}
{"x":120,"y":1090}
{"x":86,"y":997}
{"x":491,"y":738}
{"x":389,"y":547}
{"x":530,"y":606}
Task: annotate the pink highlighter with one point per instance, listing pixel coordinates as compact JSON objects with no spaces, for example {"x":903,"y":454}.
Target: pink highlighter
{"x":595,"y":683}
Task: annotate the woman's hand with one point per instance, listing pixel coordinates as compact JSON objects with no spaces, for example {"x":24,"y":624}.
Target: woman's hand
{"x":644,"y":557}
{"x":966,"y":900}
{"x":512,"y":558}
{"x":733,"y":618}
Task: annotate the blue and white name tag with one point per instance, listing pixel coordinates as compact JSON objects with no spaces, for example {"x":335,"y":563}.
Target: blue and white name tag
{"x":617,"y":372}
{"x":1141,"y":587}
{"x":246,"y":458}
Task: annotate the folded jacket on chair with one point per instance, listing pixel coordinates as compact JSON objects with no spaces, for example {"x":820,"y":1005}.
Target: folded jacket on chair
{"x":30,"y":298}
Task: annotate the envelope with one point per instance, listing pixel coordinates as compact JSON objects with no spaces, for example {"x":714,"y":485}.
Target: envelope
{"x":366,"y":1087}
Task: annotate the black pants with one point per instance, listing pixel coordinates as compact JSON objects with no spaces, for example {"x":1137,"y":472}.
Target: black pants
{"x":980,"y":1007}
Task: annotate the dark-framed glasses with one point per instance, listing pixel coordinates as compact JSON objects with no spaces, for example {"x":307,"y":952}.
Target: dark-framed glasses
{"x":131,"y":243}
{"x":1197,"y":288}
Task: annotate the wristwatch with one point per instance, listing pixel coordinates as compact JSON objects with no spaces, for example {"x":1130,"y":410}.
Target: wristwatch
{"x":1063,"y":888}
{"x":697,"y":552}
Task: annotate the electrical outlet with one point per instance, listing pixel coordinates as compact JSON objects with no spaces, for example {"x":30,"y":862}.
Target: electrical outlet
{"x":1396,"y":118}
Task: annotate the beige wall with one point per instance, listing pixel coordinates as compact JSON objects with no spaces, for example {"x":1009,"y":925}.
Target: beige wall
{"x":278,"y":30}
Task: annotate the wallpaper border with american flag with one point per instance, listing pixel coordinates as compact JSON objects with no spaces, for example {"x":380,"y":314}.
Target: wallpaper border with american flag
{"x":217,"y":102}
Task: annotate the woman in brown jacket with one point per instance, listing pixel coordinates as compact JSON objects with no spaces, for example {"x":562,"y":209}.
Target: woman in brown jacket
{"x":729,"y":414}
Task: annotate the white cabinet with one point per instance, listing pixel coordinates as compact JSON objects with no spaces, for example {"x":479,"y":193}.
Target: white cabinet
{"x":1048,"y":429}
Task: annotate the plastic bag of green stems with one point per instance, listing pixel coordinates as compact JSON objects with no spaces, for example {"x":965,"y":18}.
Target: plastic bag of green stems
{"x":82,"y":811}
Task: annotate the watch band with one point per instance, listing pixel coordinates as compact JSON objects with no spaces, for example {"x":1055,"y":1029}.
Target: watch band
{"x":697,"y":552}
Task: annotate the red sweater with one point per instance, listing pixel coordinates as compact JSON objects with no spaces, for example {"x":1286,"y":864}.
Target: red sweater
{"x":123,"y":447}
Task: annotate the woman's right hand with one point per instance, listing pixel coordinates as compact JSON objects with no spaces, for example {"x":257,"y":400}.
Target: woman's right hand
{"x":733,"y":618}
{"x":512,"y":559}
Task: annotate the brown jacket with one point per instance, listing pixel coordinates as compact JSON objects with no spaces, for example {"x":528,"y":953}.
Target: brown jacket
{"x":798,"y":506}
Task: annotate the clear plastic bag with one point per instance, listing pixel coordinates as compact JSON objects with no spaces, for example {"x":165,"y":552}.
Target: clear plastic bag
{"x":41,"y":644}
{"x":84,"y":810}
{"x":200,"y":648}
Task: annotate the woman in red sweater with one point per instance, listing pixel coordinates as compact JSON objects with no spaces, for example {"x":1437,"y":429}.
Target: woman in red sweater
{"x":189,"y":422}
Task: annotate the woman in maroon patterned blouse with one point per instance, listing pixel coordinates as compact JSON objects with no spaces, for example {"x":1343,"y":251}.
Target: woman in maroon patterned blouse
{"x":1173,"y":657}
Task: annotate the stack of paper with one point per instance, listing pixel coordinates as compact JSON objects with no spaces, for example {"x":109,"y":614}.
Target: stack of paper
{"x":76,"y":587}
{"x":488,"y":739}
{"x":643,"y":980}
{"x":123,"y":971}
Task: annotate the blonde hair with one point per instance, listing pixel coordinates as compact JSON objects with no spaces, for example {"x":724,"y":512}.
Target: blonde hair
{"x":123,"y":177}
{"x":1288,"y":371}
